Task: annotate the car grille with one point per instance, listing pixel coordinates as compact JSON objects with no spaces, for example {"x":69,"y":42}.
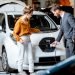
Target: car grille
{"x":46,"y":61}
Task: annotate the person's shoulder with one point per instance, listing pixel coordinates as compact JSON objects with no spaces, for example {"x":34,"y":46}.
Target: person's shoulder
{"x":20,"y":20}
{"x":24,"y":20}
{"x":69,"y":14}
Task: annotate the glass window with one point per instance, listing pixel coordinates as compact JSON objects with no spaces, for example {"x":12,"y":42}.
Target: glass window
{"x":1,"y":18}
{"x":43,"y":23}
{"x":12,"y":20}
{"x":52,"y":23}
{"x":2,"y":21}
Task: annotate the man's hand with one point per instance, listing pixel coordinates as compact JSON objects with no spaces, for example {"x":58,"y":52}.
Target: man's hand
{"x":54,"y":44}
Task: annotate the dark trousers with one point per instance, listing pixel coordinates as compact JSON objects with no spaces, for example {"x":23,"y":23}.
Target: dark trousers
{"x":69,"y":48}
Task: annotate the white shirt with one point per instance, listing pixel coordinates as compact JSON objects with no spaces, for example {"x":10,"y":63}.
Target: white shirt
{"x":62,"y":15}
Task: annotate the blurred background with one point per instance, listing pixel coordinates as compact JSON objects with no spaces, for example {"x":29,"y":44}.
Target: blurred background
{"x":44,"y":5}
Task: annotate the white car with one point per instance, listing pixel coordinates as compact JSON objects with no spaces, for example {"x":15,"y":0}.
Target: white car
{"x":44,"y":55}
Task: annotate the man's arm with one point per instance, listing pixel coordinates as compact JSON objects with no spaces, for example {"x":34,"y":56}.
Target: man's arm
{"x":59,"y":35}
{"x":58,"y":39}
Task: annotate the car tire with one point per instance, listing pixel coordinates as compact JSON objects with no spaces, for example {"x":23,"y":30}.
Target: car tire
{"x":5,"y":65}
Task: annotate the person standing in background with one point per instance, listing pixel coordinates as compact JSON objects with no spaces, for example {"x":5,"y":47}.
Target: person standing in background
{"x":21,"y":33}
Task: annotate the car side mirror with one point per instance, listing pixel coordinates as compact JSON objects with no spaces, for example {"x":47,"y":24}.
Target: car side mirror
{"x":0,"y":28}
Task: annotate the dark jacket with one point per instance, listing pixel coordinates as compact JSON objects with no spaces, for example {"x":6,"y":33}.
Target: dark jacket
{"x":67,"y":27}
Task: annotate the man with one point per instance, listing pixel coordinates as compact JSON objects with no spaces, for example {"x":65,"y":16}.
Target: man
{"x":67,"y":28}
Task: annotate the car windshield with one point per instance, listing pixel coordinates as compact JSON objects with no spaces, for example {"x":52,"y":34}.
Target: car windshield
{"x":42,"y":22}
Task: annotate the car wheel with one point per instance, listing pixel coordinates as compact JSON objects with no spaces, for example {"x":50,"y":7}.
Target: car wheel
{"x":5,"y":65}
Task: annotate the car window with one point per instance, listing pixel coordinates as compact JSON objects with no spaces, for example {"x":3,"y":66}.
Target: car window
{"x":1,"y":18}
{"x":38,"y":21}
{"x":42,"y":22}
{"x":52,"y":23}
{"x":2,"y":21}
{"x":12,"y":20}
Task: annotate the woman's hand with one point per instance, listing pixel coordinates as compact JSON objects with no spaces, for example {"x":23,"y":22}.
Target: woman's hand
{"x":21,"y":41}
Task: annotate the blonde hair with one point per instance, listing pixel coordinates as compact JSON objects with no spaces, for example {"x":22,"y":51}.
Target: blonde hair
{"x":27,"y":9}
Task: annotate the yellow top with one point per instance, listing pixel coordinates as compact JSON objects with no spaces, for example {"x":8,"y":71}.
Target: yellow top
{"x":22,"y":28}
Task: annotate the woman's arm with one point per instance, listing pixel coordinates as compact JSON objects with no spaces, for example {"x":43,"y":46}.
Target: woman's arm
{"x":16,"y":31}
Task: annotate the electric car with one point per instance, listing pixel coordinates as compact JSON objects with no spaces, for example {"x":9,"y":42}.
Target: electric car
{"x":44,"y":55}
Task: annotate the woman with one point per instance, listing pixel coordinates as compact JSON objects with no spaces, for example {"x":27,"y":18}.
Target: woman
{"x":21,"y":33}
